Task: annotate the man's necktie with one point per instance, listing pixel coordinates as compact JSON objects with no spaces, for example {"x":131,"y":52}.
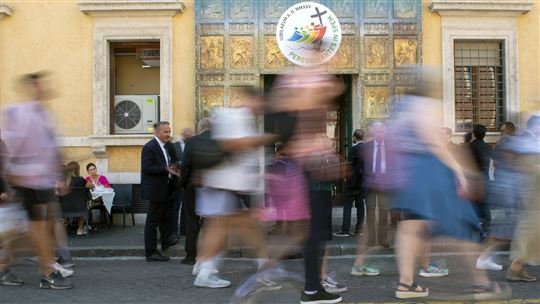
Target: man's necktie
{"x":168,"y":155}
{"x":378,"y":156}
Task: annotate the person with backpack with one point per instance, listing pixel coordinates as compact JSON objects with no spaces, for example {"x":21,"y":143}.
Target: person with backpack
{"x":228,"y":179}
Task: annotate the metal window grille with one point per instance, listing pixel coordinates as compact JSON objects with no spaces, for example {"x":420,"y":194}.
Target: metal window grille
{"x":479,"y":84}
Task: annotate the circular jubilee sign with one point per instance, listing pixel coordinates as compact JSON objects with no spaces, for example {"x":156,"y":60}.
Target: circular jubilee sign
{"x":308,"y":34}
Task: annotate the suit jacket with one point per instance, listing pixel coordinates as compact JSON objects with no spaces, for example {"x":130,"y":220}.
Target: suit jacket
{"x":155,"y":183}
{"x":356,"y":160}
{"x":186,"y":178}
{"x":368,"y":177}
{"x":178,"y":152}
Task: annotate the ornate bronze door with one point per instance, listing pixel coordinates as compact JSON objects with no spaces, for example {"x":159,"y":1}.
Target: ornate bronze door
{"x":235,"y":45}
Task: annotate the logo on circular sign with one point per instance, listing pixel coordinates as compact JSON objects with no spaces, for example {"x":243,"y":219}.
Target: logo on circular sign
{"x":308,"y":34}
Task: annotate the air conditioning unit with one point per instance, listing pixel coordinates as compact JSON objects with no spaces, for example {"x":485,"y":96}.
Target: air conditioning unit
{"x":135,"y":114}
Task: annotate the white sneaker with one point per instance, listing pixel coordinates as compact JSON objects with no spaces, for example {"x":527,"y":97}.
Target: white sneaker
{"x":487,"y":264}
{"x":332,"y":286}
{"x":65,"y":272}
{"x":197,"y":269}
{"x":211,"y":281}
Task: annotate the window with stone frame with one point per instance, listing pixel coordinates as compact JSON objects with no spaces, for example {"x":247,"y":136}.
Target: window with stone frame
{"x":479,"y":84}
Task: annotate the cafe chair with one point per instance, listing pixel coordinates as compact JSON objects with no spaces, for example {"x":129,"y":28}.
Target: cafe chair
{"x":122,"y":201}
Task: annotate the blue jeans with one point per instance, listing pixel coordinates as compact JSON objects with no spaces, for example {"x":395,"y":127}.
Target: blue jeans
{"x":353,"y":196}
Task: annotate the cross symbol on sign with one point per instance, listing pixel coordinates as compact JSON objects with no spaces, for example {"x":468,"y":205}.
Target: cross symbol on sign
{"x":318,"y":14}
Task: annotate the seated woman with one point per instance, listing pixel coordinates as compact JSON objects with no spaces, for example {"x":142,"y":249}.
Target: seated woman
{"x":95,"y":179}
{"x":74,"y":180}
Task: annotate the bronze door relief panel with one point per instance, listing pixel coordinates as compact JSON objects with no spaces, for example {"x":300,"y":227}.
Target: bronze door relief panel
{"x":236,"y":45}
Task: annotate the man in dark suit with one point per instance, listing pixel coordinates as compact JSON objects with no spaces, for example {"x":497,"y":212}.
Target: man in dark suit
{"x":353,"y":193}
{"x":192,"y":220}
{"x":375,"y":167}
{"x":157,"y":171}
{"x":179,"y":229}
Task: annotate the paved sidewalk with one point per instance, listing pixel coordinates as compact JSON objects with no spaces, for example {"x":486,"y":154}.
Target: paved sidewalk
{"x":129,"y":241}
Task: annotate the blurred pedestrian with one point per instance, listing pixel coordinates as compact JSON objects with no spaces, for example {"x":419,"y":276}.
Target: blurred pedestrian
{"x":225,"y":197}
{"x":526,"y":241}
{"x":428,"y":269}
{"x":287,"y":200}
{"x":157,"y":171}
{"x":32,"y":166}
{"x":300,"y":102}
{"x":10,"y":229}
{"x":429,"y":178}
{"x":503,"y":196}
{"x":353,"y":188}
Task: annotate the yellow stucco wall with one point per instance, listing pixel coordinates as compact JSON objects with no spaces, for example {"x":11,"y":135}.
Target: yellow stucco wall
{"x":53,"y":36}
{"x":57,"y":36}
{"x":431,"y":42}
{"x":184,"y":68}
{"x":82,"y":155}
{"x":124,"y":159}
{"x":529,"y":59}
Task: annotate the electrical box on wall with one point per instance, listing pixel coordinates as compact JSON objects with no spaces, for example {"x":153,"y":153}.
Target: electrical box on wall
{"x":135,"y":114}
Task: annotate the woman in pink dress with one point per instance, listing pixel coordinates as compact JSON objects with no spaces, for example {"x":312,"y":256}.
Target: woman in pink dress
{"x":95,"y":179}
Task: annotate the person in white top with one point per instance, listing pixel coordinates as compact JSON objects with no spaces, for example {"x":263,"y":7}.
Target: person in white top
{"x":224,"y":199}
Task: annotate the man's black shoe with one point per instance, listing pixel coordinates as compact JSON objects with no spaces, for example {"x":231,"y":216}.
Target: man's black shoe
{"x":157,"y":257}
{"x":320,"y":296}
{"x":172,"y":241}
{"x":188,"y":261}
{"x":167,"y":245}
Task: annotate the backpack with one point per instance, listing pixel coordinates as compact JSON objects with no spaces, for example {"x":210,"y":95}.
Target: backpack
{"x":205,"y":151}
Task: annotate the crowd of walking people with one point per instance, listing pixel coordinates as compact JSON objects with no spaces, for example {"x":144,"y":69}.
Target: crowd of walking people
{"x":408,"y":178}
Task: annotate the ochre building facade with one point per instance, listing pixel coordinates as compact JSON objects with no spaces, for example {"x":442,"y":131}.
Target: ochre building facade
{"x":193,"y":56}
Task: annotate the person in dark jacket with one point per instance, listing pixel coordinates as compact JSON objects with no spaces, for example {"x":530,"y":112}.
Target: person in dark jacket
{"x":353,"y":191}
{"x":178,"y":221}
{"x":192,"y":221}
{"x":482,"y":156}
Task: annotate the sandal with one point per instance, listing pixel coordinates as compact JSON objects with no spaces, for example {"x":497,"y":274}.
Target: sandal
{"x":411,"y":291}
{"x":492,"y":291}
